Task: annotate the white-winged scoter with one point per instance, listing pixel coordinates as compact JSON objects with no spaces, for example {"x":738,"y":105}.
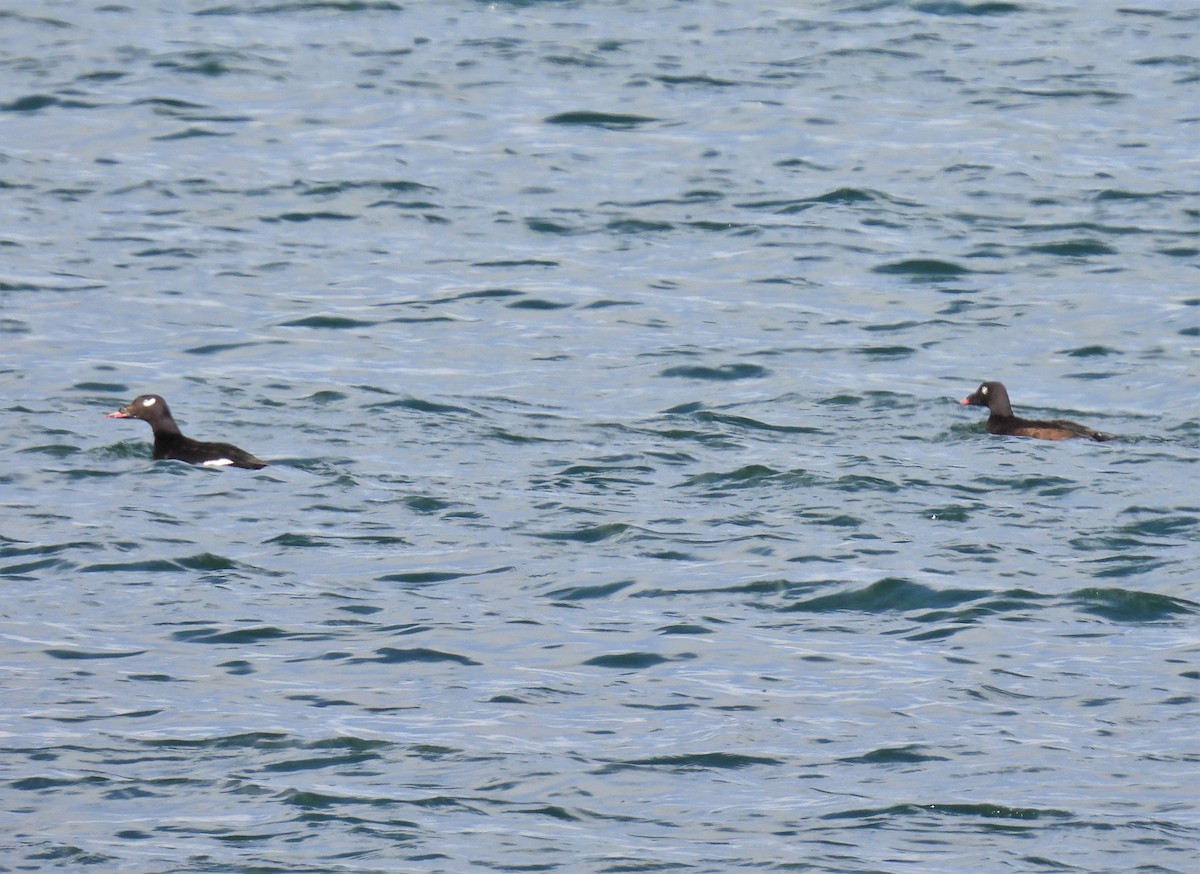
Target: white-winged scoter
{"x":169,"y":442}
{"x":994,"y":396}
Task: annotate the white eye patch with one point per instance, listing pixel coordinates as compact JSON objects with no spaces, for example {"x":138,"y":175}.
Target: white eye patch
{"x":149,"y":402}
{"x":217,"y":462}
{"x":983,"y":390}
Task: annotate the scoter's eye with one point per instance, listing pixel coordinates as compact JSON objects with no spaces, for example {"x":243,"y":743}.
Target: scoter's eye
{"x":149,"y":402}
{"x":983,"y":389}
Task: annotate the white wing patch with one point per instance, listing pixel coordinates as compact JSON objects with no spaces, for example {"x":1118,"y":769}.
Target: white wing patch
{"x":149,"y":402}
{"x":217,"y":462}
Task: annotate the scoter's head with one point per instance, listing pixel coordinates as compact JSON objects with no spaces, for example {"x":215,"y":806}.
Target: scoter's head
{"x":992,"y":395}
{"x":151,"y":408}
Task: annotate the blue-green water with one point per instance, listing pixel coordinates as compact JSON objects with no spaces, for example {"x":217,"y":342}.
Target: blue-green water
{"x":622,"y":516}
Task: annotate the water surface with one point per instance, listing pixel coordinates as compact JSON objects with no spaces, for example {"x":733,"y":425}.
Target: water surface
{"x":622,"y":515}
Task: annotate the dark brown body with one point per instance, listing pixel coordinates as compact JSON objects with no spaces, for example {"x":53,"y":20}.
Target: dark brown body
{"x":1001,"y":420}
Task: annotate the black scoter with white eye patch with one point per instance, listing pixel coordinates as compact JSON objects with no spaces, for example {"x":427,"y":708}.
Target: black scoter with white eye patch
{"x":994,"y":396}
{"x":169,"y":442}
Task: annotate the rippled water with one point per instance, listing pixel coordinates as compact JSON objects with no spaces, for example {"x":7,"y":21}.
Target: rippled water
{"x":622,"y":515}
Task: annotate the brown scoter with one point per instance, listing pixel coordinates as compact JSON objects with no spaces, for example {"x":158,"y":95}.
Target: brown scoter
{"x":994,"y":396}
